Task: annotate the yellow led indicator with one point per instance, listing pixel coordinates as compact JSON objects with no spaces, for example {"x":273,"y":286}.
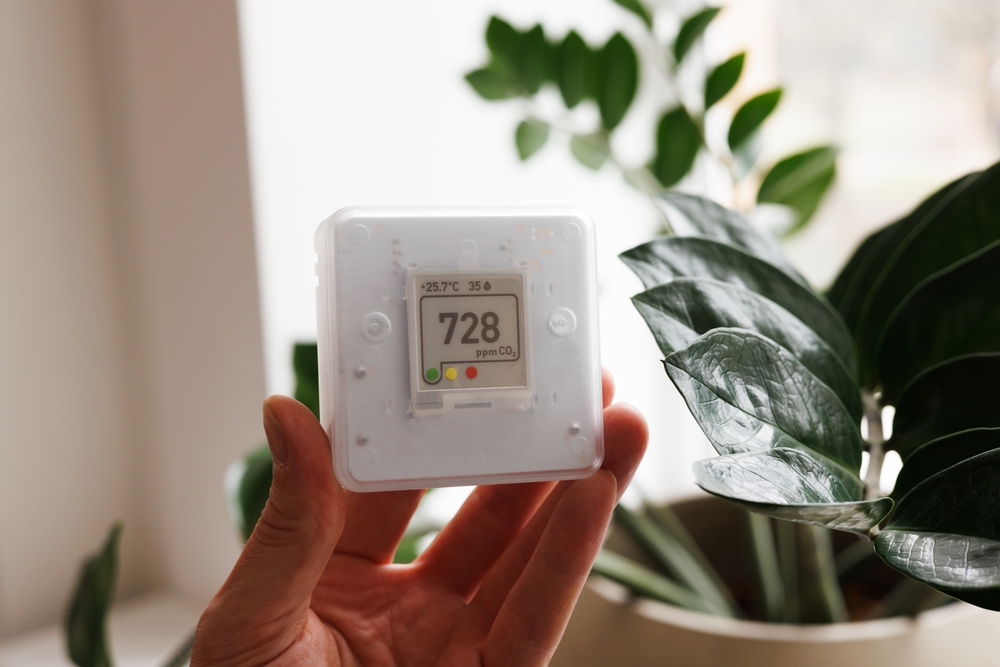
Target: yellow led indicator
{"x":451,"y":373}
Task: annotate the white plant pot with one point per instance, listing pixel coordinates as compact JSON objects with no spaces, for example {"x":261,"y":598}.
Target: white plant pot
{"x":612,"y":627}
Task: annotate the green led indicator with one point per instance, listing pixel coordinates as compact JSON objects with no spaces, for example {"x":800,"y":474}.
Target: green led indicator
{"x":432,"y":374}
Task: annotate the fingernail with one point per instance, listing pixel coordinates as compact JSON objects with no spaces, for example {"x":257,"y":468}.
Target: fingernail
{"x":275,"y":436}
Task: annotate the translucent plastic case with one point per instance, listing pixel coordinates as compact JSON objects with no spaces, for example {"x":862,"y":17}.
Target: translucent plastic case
{"x":458,"y":347}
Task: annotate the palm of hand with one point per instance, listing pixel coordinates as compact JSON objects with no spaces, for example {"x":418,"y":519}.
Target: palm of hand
{"x":315,"y":584}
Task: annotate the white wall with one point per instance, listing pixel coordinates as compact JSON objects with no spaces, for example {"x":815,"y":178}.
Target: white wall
{"x":130,"y":352}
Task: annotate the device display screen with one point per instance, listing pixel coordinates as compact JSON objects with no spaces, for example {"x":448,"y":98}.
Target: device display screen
{"x":471,"y":330}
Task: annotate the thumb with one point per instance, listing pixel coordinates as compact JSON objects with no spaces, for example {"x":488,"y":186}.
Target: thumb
{"x":293,"y":540}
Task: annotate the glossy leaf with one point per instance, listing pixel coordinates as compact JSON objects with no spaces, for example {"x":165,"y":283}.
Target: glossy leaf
{"x":954,"y":313}
{"x":799,"y":181}
{"x":751,"y":116}
{"x":491,"y":84}
{"x":664,"y":259}
{"x":751,"y":395}
{"x":590,"y":150}
{"x":305,"y":363}
{"x":964,"y":221}
{"x":692,"y":28}
{"x":678,"y":141}
{"x":637,"y":8}
{"x":675,"y":559}
{"x":530,"y":136}
{"x":578,"y":70}
{"x":645,"y":581}
{"x":691,"y":215}
{"x":851,"y":288}
{"x":618,"y":80}
{"x":954,"y":396}
{"x":722,"y":79}
{"x":946,"y":531}
{"x":793,"y":485}
{"x":86,"y":622}
{"x":682,"y":310}
{"x":937,"y":455}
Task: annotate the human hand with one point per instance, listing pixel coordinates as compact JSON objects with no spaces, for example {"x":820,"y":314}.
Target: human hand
{"x":315,"y":584}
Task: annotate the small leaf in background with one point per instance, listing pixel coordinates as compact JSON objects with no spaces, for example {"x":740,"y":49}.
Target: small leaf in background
{"x":677,"y":143}
{"x":305,"y":363}
{"x":751,"y":116}
{"x":799,"y":181}
{"x":945,"y":532}
{"x":954,"y":313}
{"x":86,"y":620}
{"x":954,"y":396}
{"x":692,"y":28}
{"x":685,"y":308}
{"x":503,"y":41}
{"x":619,"y":78}
{"x":638,"y":9}
{"x":722,"y":79}
{"x":961,"y":223}
{"x":532,"y":60}
{"x":749,"y":394}
{"x":248,"y":486}
{"x":529,"y":137}
{"x":578,"y":70}
{"x":490,"y":84}
{"x":691,"y":215}
{"x":936,"y":455}
{"x":590,"y":150}
{"x":672,"y":257}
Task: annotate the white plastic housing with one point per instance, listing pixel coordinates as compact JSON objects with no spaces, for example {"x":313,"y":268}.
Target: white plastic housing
{"x":392,"y":429}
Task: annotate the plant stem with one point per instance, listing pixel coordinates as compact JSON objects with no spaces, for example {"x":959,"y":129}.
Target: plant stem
{"x":788,"y":558}
{"x":822,"y":599}
{"x":876,"y":445}
{"x":772,"y":588}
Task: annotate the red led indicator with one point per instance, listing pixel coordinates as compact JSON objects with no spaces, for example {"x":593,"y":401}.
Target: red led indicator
{"x":471,"y":372}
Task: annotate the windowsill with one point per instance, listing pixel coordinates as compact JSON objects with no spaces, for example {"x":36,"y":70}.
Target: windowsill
{"x":144,"y":632}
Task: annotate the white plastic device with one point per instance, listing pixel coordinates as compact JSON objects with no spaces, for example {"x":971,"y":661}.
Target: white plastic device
{"x":458,"y":347}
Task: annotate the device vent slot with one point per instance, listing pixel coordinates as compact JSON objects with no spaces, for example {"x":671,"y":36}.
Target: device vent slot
{"x":473,"y":405}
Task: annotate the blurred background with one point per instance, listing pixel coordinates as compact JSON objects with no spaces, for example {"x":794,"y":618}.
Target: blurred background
{"x":164,"y":164}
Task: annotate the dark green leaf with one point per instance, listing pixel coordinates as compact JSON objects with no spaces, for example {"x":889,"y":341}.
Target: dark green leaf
{"x":691,"y":29}
{"x":691,"y":215}
{"x":491,"y":84}
{"x":800,"y":181}
{"x":534,"y":62}
{"x":937,"y":455}
{"x":664,"y":259}
{"x":618,"y":79}
{"x":590,"y":150}
{"x":529,"y":137}
{"x":954,"y":396}
{"x":677,"y":143}
{"x":645,"y":581}
{"x":793,"y":485}
{"x":722,"y":79}
{"x":751,"y":395}
{"x":670,"y":553}
{"x":248,"y":485}
{"x":503,"y":41}
{"x":305,"y":363}
{"x":86,"y":622}
{"x":685,"y":308}
{"x":638,"y":9}
{"x":964,"y":221}
{"x":578,"y":70}
{"x":750,"y":116}
{"x":946,"y":531}
{"x":855,"y":281}
{"x":953,"y":313}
